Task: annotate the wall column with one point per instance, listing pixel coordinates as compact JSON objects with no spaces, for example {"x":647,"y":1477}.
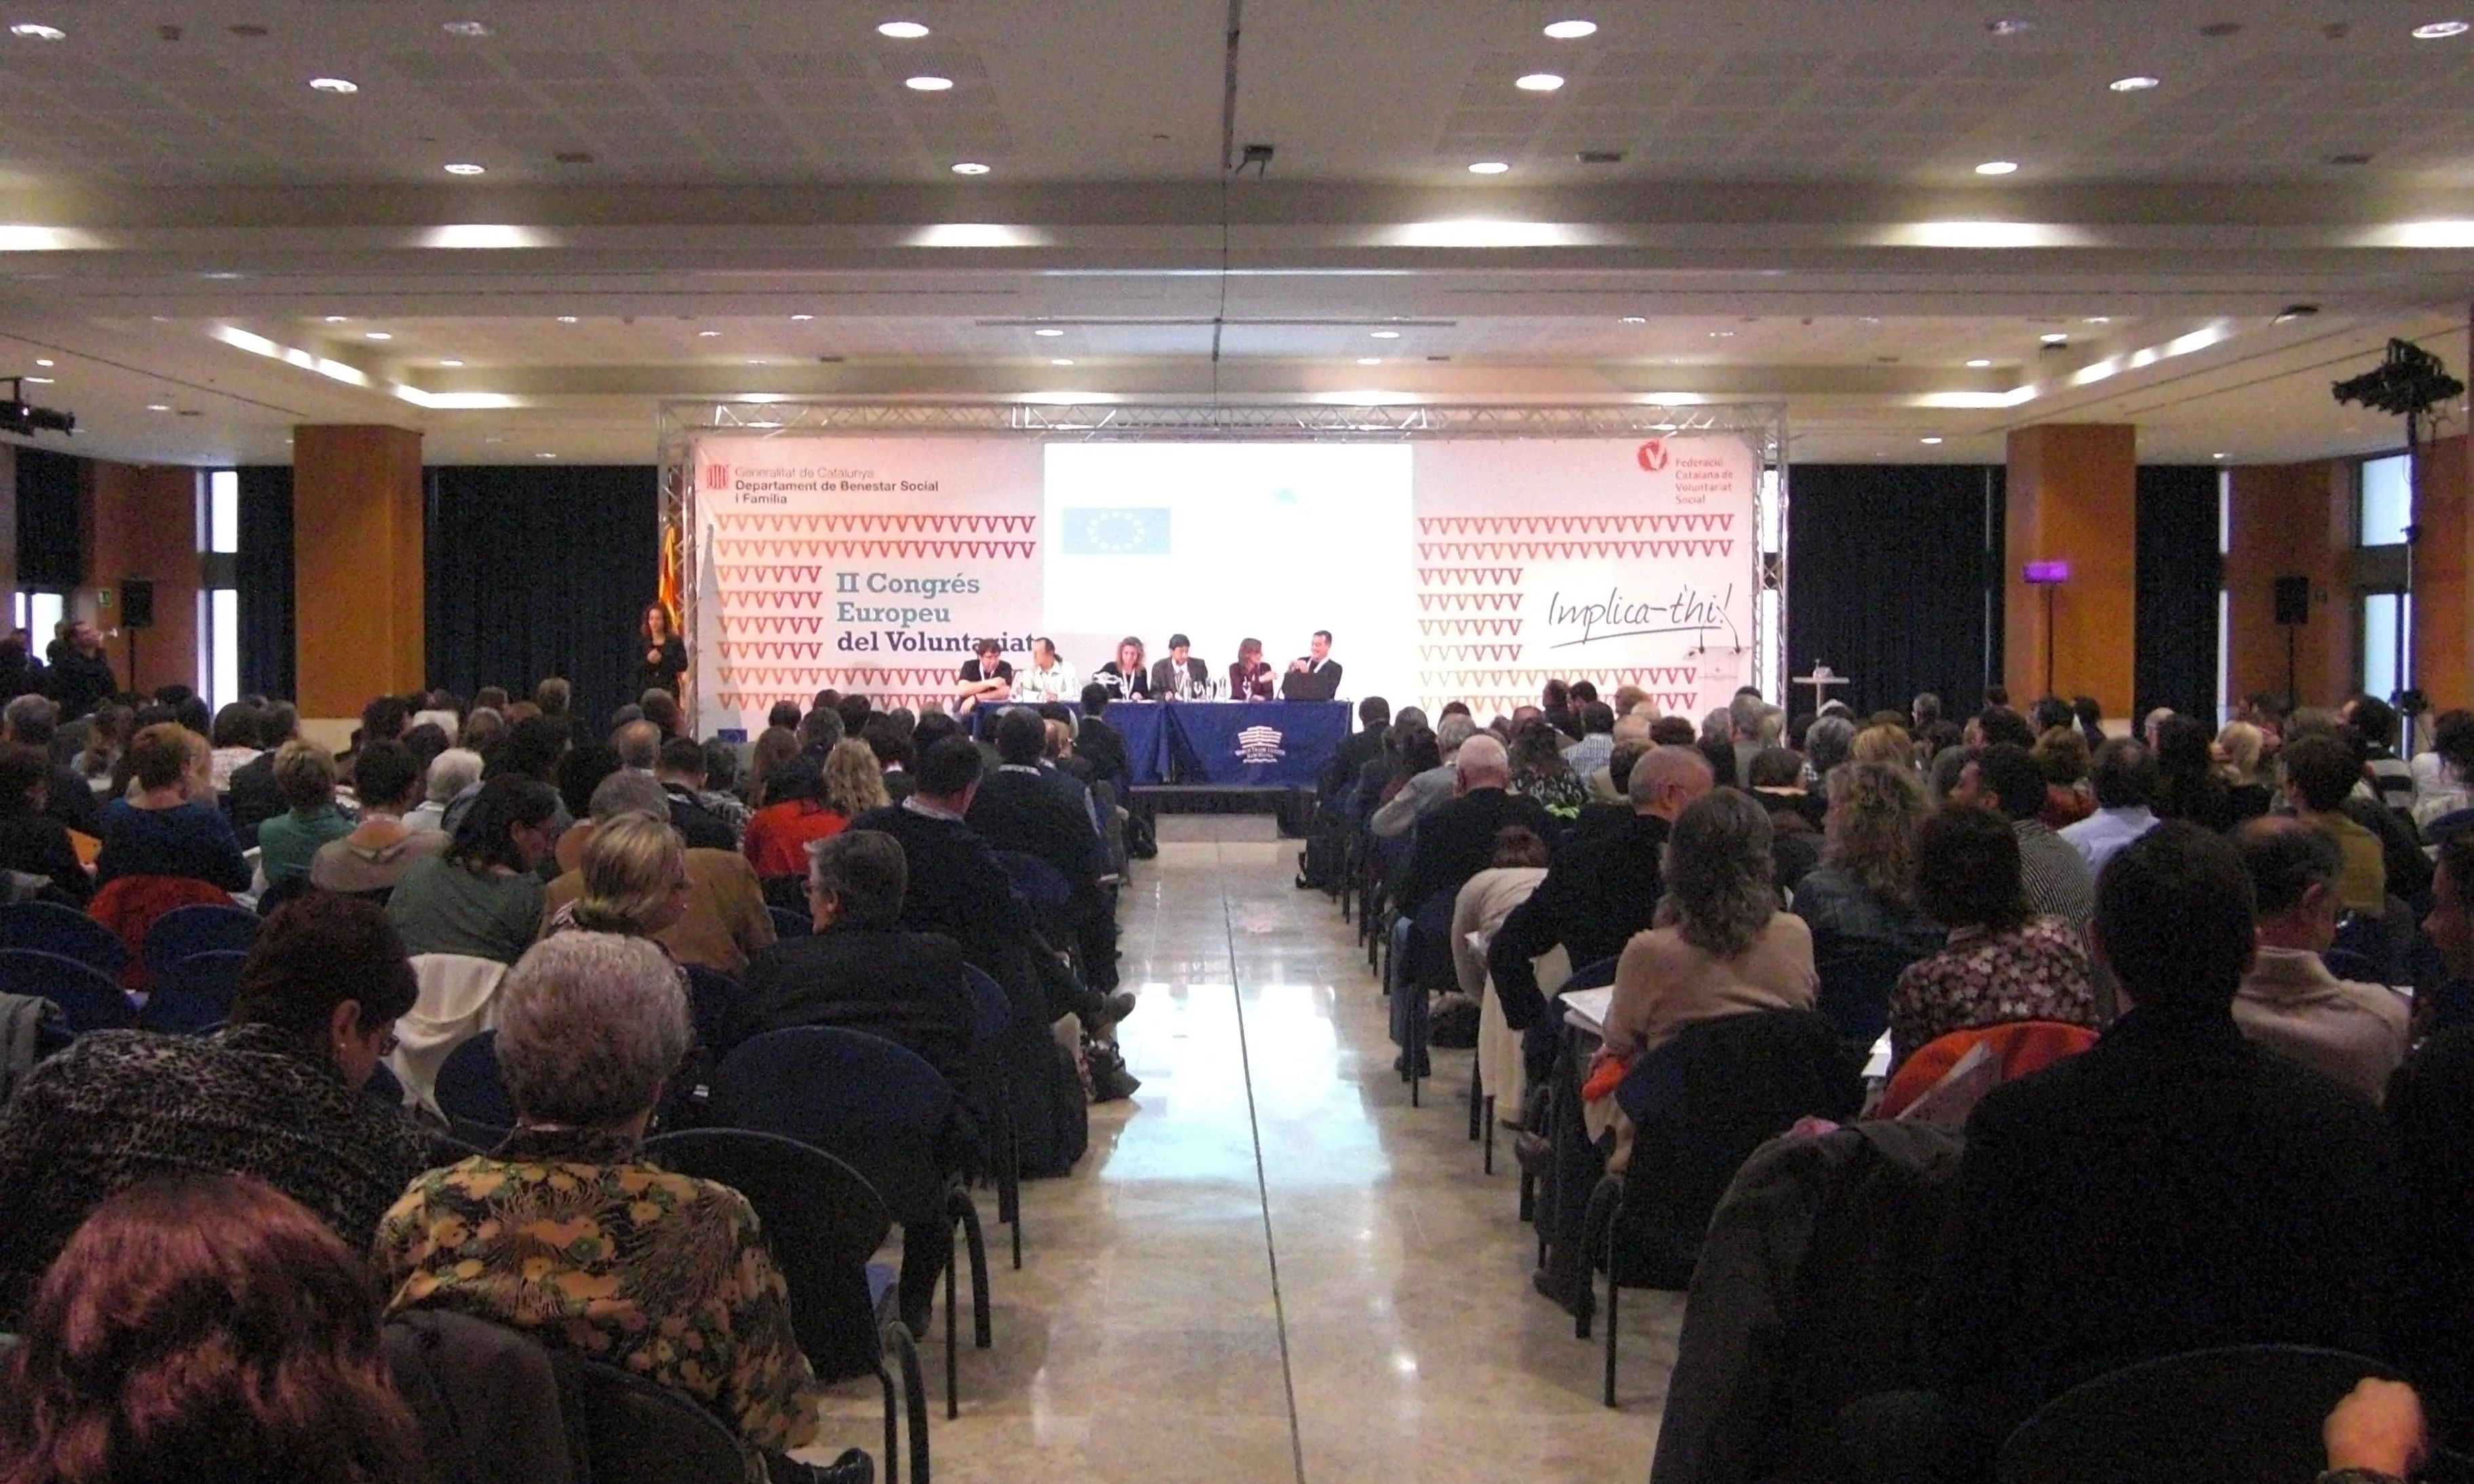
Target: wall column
{"x":2071,"y":495}
{"x":356,"y":553}
{"x":2291,"y":520}
{"x":142,"y":522}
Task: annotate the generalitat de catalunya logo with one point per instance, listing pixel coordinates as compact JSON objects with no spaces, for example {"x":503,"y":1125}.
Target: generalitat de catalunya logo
{"x":1652,"y":455}
{"x":716,"y":476}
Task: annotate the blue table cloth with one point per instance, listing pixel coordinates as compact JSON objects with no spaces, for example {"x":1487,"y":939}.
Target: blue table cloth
{"x":1274,"y":744}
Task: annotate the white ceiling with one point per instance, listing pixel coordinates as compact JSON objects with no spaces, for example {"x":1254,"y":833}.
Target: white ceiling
{"x":1796,"y":217}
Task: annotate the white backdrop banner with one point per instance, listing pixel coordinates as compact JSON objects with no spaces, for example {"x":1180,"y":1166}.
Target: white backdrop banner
{"x":1619,"y":561}
{"x":865,"y":565}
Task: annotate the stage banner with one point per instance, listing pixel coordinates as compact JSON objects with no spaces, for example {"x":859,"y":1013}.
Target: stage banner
{"x":867,"y":564}
{"x":1618,"y":560}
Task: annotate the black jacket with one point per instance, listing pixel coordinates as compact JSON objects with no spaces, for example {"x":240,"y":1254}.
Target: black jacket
{"x":250,"y":798}
{"x":80,"y":681}
{"x":1595,"y":896}
{"x":69,"y":799}
{"x":39,"y":847}
{"x":2172,"y":1188}
{"x":1103,"y":748}
{"x":663,"y":676}
{"x":2431,"y":1108}
{"x":1455,"y":841}
{"x":700,"y":827}
{"x":1030,"y":810}
{"x":959,"y":890}
{"x":905,"y":987}
{"x":1347,"y":760}
{"x":1320,"y":684}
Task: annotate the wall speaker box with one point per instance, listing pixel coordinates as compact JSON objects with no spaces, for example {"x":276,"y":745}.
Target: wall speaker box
{"x":2293,"y":599}
{"x":136,"y":603}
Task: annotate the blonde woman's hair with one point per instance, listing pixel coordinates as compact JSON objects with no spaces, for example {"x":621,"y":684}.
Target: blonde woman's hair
{"x":854,"y":780}
{"x":304,"y":774}
{"x":2243,"y":744}
{"x":1888,"y":746}
{"x":630,"y":866}
{"x":1870,"y":833}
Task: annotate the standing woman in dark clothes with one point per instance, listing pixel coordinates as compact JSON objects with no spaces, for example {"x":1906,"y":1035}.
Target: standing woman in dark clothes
{"x":661,"y":658}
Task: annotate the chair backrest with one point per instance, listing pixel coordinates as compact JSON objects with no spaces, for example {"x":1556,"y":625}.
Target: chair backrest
{"x":821,"y":1220}
{"x":48,"y":927}
{"x":89,"y":1000}
{"x":640,"y":1433}
{"x":715,"y":1000}
{"x":491,"y":1400}
{"x":194,"y":995}
{"x":471,"y":1091}
{"x":992,"y":1011}
{"x":790,"y":924}
{"x":129,"y":906}
{"x":1590,"y":976}
{"x":185,"y":932}
{"x":1040,"y":882}
{"x":2228,"y":1416}
{"x":2017,"y":1047}
{"x":862,"y":1099}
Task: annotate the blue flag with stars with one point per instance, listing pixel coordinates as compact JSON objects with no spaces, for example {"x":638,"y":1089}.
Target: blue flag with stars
{"x":1116,"y":530}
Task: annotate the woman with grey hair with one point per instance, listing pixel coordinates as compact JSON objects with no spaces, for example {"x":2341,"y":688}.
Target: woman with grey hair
{"x":567,"y":1232}
{"x":451,"y":773}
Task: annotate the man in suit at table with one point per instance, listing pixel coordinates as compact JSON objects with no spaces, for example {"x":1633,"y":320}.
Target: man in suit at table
{"x":1314,"y":677}
{"x":1180,"y":678}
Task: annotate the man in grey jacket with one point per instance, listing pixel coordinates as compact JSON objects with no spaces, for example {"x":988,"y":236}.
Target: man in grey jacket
{"x":1426,"y":792}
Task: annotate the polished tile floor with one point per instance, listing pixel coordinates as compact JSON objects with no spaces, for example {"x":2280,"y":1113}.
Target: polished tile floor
{"x":1270,"y":1267}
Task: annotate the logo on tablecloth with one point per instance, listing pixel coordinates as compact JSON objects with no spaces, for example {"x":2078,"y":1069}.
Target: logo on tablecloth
{"x":1260,"y":745}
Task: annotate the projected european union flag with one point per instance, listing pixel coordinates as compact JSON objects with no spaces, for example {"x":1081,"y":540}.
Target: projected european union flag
{"x":1116,"y":530}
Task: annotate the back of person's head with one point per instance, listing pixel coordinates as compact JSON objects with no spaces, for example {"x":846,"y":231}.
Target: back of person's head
{"x":661,"y":709}
{"x":159,"y":756}
{"x":2376,"y":719}
{"x":1584,"y":691}
{"x":1417,"y":749}
{"x":1949,"y":764}
{"x":1454,"y":729}
{"x":203,"y":1325}
{"x":1021,"y":736}
{"x":531,"y":747}
{"x":1744,"y":716}
{"x":2309,"y":721}
{"x":627,"y":792}
{"x":1675,"y":732}
{"x":1518,"y":846}
{"x":682,"y":757}
{"x":773,"y":746}
{"x":2244,"y":744}
{"x":1537,"y":747}
{"x":1828,"y":743}
{"x":484,"y":729}
{"x":2452,"y":737}
{"x":485,"y":836}
{"x":384,"y":774}
{"x":2001,"y":724}
{"x":854,"y":709}
{"x":819,"y":729}
{"x":426,"y":740}
{"x":825,"y":699}
{"x":580,"y":773}
{"x":865,"y":874}
{"x":2322,"y":769}
{"x":1374,"y":713}
{"x":720,"y":764}
{"x":892,"y":748}
{"x":2286,"y":858}
{"x":2174,"y":919}
{"x":948,"y":768}
{"x":1556,"y":695}
{"x":590,"y":1026}
{"x":1596,"y":716}
{"x":493,"y":697}
{"x":2049,"y":713}
{"x":554,"y":696}
{"x":1774,"y":767}
{"x":1886,"y":743}
{"x":384,"y":719}
{"x":1659,"y":768}
{"x":2182,"y":748}
{"x":1968,"y":873}
{"x":2062,"y":753}
{"x":853,"y":782}
{"x":1870,"y":829}
{"x":2012,"y":780}
{"x":801,"y":775}
{"x":33,"y":720}
{"x":451,"y":772}
{"x":1095,"y":698}
{"x":22,"y":770}
{"x":317,"y":952}
{"x":933,"y":728}
{"x":631,"y":866}
{"x":305,"y":775}
{"x":1717,"y":871}
{"x":1926,"y":708}
{"x":1482,"y":763}
{"x":784,"y":715}
{"x":2086,"y":711}
{"x":2123,"y":774}
{"x":235,"y":726}
{"x":638,"y":745}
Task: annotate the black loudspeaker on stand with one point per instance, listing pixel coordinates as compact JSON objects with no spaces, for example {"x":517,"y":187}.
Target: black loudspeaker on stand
{"x":2292,"y":611}
{"x":137,"y":612}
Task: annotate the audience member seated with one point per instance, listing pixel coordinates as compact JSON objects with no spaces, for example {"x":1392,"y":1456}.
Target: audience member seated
{"x":162,"y":831}
{"x":1776,"y":780}
{"x":1102,"y":743}
{"x":2391,"y":777}
{"x":533,"y":748}
{"x":633,"y":880}
{"x":1598,"y":893}
{"x":2003,"y":961}
{"x":2249,"y":779}
{"x":34,"y":721}
{"x":680,"y":771}
{"x":1540,"y":773}
{"x":1427,"y":791}
{"x":2320,"y":771}
{"x":275,"y":1094}
{"x":896,"y":757}
{"x":809,"y":799}
{"x":374,"y":857}
{"x":2005,"y":779}
{"x":582,"y":770}
{"x":249,"y":797}
{"x":205,"y":1326}
{"x":1589,"y":755}
{"x":32,"y":842}
{"x":1021,"y":806}
{"x":2064,"y":754}
{"x":2443,"y":778}
{"x":235,"y":740}
{"x":1859,"y":902}
{"x":451,"y":773}
{"x":2172,"y":1188}
{"x":1453,"y":844}
{"x":2124,"y":779}
{"x":723,"y":920}
{"x":565,"y":1231}
{"x":481,"y":896}
{"x":2188,"y":785}
{"x":2290,"y":1002}
{"x":1511,"y":874}
{"x":2431,"y":1111}
{"x":1722,"y":945}
{"x":1355,"y":750}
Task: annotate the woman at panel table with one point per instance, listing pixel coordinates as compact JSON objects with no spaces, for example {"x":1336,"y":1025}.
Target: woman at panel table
{"x":1250,"y":679}
{"x":661,"y":659}
{"x":1125,"y":678}
{"x":1046,"y":678}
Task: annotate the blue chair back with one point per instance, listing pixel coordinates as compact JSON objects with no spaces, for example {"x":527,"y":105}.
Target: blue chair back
{"x":1590,"y":976}
{"x":48,"y":927}
{"x":716,"y":1001}
{"x":862,"y":1099}
{"x":1041,"y":883}
{"x":194,"y":995}
{"x":89,"y":999}
{"x":790,"y":924}
{"x":994,"y":1012}
{"x":471,"y":1092}
{"x":185,"y":932}
{"x":639,"y":1431}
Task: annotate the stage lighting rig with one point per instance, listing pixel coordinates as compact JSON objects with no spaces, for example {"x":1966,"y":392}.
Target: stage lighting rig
{"x":2409,"y":383}
{"x":17,"y":415}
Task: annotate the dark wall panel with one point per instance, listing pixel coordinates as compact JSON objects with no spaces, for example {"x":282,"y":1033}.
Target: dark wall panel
{"x":2179,"y":575}
{"x":263,"y":575}
{"x":1894,"y":577}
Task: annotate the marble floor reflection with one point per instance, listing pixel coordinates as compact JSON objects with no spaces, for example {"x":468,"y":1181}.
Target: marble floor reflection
{"x":1270,"y":1267}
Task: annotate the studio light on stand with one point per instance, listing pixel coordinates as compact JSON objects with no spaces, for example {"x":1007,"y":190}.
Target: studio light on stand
{"x":2409,"y":383}
{"x":2049,"y":576}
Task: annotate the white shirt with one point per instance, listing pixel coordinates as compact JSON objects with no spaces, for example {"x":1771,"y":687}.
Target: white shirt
{"x":2102,"y":835}
{"x":1056,"y":683}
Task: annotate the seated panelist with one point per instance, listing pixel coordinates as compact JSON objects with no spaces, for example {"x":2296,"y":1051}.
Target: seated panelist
{"x":1180,"y":678}
{"x":984,"y":678}
{"x":1250,"y":679}
{"x":1313,"y":676}
{"x":1047,"y":677}
{"x":1123,"y":677}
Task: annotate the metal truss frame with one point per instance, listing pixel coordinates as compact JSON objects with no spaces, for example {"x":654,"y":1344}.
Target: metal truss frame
{"x":1762,"y":425}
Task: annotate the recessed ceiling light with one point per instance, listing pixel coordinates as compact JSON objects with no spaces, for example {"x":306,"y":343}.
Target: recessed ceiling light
{"x":927,"y":84}
{"x":36,"y":31}
{"x":1489,"y":168}
{"x":335,"y":84}
{"x":158,"y":406}
{"x":451,"y":362}
{"x":1061,"y":360}
{"x":380,"y":334}
{"x":37,"y":380}
{"x":1369,"y":360}
{"x":1048,"y":334}
{"x":969,"y":167}
{"x":335,"y":319}
{"x":1998,"y":167}
{"x":465,"y":28}
{"x":2055,"y":338}
{"x":707,"y":334}
{"x":902,"y":30}
{"x":2009,"y":27}
{"x":545,"y":455}
{"x":1572,"y":29}
{"x":467,"y":167}
{"x":1979,"y":364}
{"x":1384,"y":335}
{"x":1539,"y":83}
{"x":2440,"y":30}
{"x":2098,"y":319}
{"x":1929,"y":440}
{"x":42,"y":360}
{"x":567,"y":319}
{"x":1722,"y":335}
{"x":2216,"y":455}
{"x":801,"y":319}
{"x":2134,"y":85}
{"x":1636,"y":318}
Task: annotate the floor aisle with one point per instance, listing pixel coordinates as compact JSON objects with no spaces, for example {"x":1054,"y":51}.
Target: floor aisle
{"x":1270,"y":1268}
